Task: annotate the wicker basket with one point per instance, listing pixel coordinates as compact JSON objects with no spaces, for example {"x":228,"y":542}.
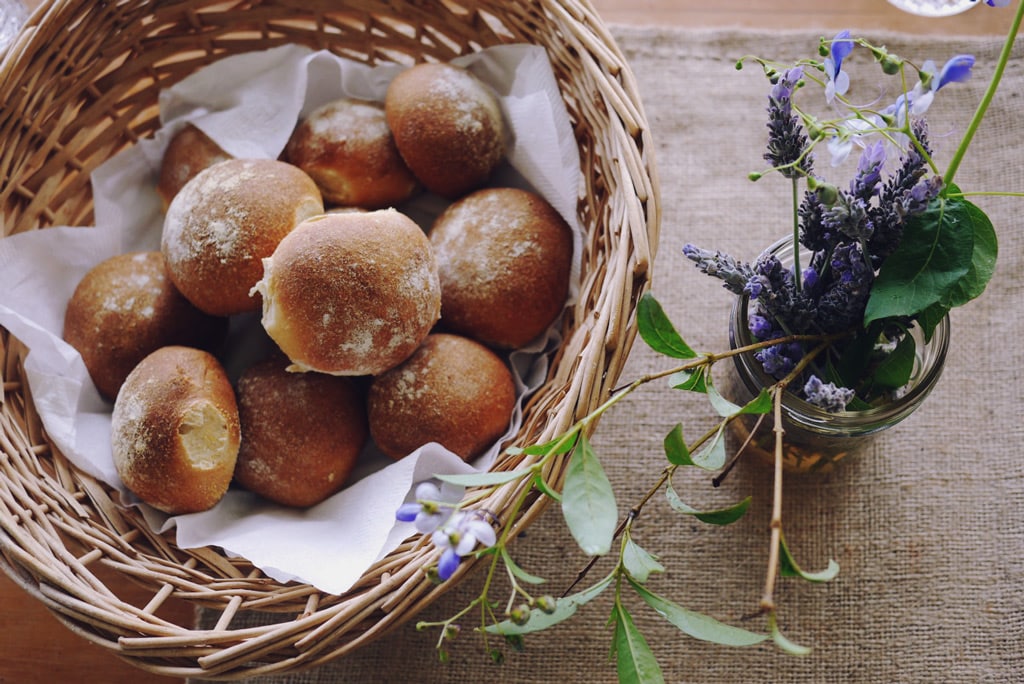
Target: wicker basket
{"x":80,"y":84}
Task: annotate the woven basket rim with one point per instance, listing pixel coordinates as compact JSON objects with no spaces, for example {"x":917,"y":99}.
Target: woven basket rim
{"x":56,"y":523}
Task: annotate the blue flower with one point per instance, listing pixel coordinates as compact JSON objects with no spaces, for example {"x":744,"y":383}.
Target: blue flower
{"x":458,"y":537}
{"x":838,"y":80}
{"x":956,"y":70}
{"x":433,"y":505}
{"x":995,"y":3}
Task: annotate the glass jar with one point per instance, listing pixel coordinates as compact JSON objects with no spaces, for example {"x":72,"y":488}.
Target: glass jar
{"x":814,"y":439}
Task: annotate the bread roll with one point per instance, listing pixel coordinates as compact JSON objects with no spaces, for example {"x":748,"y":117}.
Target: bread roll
{"x":347,"y":148}
{"x":504,"y":257}
{"x":351,"y":293}
{"x":301,"y":432}
{"x":225,"y":221}
{"x":188,"y":152}
{"x":175,"y":430}
{"x":452,"y":391}
{"x":126,"y":307}
{"x":447,"y":126}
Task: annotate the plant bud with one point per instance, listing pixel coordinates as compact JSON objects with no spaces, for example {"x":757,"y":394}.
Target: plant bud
{"x":546,"y":604}
{"x":827,"y":193}
{"x":519,"y":615}
{"x":891,"y":64}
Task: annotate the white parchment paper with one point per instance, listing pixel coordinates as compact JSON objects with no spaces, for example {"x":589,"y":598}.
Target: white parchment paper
{"x":249,"y":104}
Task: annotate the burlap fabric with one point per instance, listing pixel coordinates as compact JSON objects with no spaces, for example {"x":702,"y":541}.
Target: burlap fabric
{"x":926,"y":524}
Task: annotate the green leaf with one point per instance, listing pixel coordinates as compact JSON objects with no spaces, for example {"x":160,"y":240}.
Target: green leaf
{"x":514,"y":568}
{"x":722,"y":406}
{"x":698,"y":625}
{"x":633,"y":657}
{"x":675,"y":447}
{"x":657,"y":330}
{"x":721,"y":516}
{"x":782,"y":642}
{"x":638,"y":562}
{"x":562,"y":444}
{"x":934,"y":253}
{"x":983,"y":258}
{"x":693,"y":381}
{"x":789,"y":568}
{"x":565,"y":608}
{"x":895,"y":369}
{"x":485,"y":479}
{"x":712,"y":455}
{"x":930,"y":318}
{"x":544,"y":488}
{"x":588,"y":502}
{"x":762,"y":403}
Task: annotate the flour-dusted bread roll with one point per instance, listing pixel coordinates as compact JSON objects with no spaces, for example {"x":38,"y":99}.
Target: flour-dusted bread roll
{"x":452,"y":391}
{"x":175,"y":430}
{"x":347,"y":148}
{"x":351,"y":293}
{"x":301,"y":432}
{"x":225,"y":221}
{"x":447,"y":125}
{"x":188,"y":152}
{"x":126,"y":307}
{"x":504,"y":257}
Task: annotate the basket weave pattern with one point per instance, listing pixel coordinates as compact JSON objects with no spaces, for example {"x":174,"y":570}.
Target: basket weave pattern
{"x":80,"y":84}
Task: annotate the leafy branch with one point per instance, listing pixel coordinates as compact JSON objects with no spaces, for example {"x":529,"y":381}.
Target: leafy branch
{"x":589,"y":509}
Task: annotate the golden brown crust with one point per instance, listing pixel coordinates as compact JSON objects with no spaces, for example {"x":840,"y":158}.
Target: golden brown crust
{"x":225,"y":221}
{"x":447,"y":126}
{"x":504,"y":257}
{"x":188,"y":152}
{"x":452,"y":391}
{"x":175,"y":430}
{"x":301,"y":433}
{"x":127,"y":307}
{"x":347,"y":148}
{"x":351,"y":293}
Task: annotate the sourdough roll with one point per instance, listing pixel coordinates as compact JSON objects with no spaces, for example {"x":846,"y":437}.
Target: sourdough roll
{"x":347,"y":148}
{"x":126,"y":307}
{"x":452,"y":390}
{"x":301,"y":432}
{"x":447,"y":125}
{"x":225,"y":221}
{"x":504,"y":256}
{"x":188,"y":152}
{"x":351,"y":293}
{"x":175,"y":430}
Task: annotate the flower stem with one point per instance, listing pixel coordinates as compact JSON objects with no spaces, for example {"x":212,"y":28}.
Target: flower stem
{"x":796,"y":235}
{"x":993,"y":85}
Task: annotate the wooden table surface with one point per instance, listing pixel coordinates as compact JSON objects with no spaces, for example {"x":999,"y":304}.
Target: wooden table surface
{"x":37,"y":648}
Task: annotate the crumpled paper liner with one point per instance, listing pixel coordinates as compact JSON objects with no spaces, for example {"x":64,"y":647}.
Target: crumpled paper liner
{"x":249,"y":104}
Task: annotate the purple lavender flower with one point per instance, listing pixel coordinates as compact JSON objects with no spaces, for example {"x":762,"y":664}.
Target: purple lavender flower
{"x":865,"y":184}
{"x":734,"y":274}
{"x":760,"y":327}
{"x":827,"y":395}
{"x":779,"y":359}
{"x":787,"y":142}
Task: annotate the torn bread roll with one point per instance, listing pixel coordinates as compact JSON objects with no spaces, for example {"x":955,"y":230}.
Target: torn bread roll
{"x":175,"y":430}
{"x":351,"y":293}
